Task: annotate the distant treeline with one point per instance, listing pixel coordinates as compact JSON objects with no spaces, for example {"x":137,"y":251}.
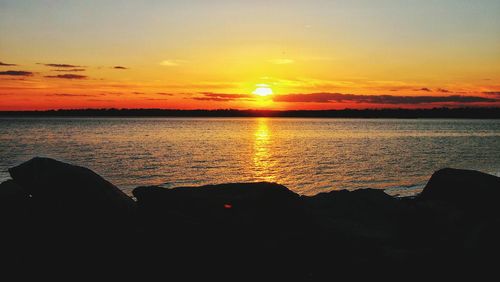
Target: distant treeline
{"x":472,"y":113}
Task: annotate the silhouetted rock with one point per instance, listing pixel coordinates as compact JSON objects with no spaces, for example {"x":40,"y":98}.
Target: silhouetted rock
{"x":472,"y":191}
{"x":72,"y":193}
{"x":14,"y":206}
{"x":226,"y":229}
{"x":57,"y":214}
{"x":15,"y":220}
{"x":75,"y":217}
{"x":12,"y":195}
{"x":361,"y":213}
{"x":237,"y":205}
{"x":361,"y":226}
{"x":460,"y":215}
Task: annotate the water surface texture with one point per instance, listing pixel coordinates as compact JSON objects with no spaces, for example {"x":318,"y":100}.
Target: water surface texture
{"x":307,"y":155}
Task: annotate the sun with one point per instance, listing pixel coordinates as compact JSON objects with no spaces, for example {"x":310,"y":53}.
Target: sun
{"x":263,"y":90}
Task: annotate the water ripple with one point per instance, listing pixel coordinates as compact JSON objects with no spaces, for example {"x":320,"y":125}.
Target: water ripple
{"x":307,"y":155}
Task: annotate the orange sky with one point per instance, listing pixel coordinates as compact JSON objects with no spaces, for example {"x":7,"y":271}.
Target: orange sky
{"x":199,"y":55}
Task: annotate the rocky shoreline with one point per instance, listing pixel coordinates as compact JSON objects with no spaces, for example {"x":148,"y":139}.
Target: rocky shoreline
{"x":57,"y":215}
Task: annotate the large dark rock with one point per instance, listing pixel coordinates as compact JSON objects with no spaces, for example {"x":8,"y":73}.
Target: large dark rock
{"x":461,"y":212}
{"x":71,"y":192}
{"x":14,"y":207}
{"x":225,"y":230}
{"x":76,"y":217}
{"x":365,"y":212}
{"x":57,"y":214}
{"x":471,"y":191}
{"x":15,"y":220}
{"x":369,"y":223}
{"x":235,"y":205}
{"x":12,"y":196}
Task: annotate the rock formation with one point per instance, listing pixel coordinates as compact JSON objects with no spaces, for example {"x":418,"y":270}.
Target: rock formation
{"x":57,"y":214}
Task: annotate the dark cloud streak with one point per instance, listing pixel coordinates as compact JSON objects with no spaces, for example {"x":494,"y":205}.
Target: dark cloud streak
{"x":6,"y":64}
{"x":213,"y":99}
{"x":209,"y":96}
{"x":60,"y":65}
{"x":350,"y":98}
{"x":70,"y":95}
{"x":425,"y":89}
{"x":493,"y":93}
{"x":442,"y":90}
{"x":378,"y":99}
{"x":67,"y":76}
{"x":70,"y":70}
{"x":16,"y":73}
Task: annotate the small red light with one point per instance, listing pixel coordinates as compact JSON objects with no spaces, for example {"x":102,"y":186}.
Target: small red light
{"x":228,"y":206}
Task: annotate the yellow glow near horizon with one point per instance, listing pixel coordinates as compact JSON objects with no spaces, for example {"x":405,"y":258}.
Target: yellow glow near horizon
{"x":322,"y":48}
{"x":263,"y":90}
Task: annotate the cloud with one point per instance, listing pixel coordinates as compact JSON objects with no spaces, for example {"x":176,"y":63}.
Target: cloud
{"x":101,"y":100}
{"x":5,"y":64}
{"x":494,"y":93}
{"x":120,"y":68}
{"x":171,"y":63}
{"x":212,"y":99}
{"x":348,"y":98}
{"x":424,"y":89}
{"x":442,"y":90}
{"x":68,"y":76}
{"x":378,"y":99}
{"x":106,"y":94}
{"x":70,"y":70}
{"x":209,"y":96}
{"x":70,"y":95}
{"x":60,"y":65}
{"x":281,"y":61}
{"x":16,"y":73}
{"x":165,"y":94}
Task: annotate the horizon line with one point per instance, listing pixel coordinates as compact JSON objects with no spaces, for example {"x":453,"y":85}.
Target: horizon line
{"x":441,"y":112}
{"x":255,"y":110}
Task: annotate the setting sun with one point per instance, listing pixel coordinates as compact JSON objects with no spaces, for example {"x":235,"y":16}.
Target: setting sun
{"x":263,"y":90}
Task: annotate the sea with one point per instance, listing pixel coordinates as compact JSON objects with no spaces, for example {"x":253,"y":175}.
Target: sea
{"x":308,"y":155}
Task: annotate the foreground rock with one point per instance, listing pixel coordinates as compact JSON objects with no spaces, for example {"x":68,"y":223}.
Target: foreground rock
{"x":56,"y":214}
{"x":365,"y":214}
{"x":461,"y":209}
{"x":69,"y":190}
{"x":473,"y":191}
{"x":233,"y":206}
{"x":13,"y":198}
{"x":71,"y":217}
{"x":15,"y":218}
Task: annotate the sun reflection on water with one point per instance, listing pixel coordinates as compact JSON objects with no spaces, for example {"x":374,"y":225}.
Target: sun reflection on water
{"x":262,"y":158}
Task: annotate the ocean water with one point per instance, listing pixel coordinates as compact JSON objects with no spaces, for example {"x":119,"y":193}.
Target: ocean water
{"x":307,"y":155}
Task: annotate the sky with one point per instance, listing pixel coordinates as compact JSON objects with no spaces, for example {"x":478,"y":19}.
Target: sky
{"x":217,"y":54}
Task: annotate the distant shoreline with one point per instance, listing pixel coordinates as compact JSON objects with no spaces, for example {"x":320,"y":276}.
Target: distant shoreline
{"x":456,"y":113}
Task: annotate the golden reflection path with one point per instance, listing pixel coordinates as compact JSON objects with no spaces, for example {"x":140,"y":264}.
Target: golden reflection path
{"x":263,"y":158}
